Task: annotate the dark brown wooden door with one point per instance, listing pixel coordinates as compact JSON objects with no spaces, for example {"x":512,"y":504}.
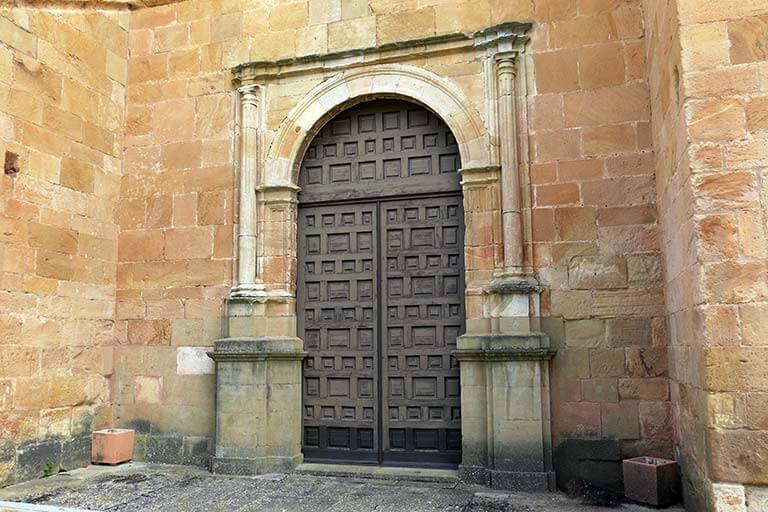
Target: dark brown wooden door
{"x":337,"y":295}
{"x":381,"y":287}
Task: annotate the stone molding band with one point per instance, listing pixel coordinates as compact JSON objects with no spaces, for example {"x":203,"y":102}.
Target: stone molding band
{"x":256,"y":356}
{"x":512,"y":354}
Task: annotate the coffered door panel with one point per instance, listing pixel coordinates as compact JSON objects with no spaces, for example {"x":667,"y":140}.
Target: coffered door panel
{"x":423,"y":314}
{"x":337,"y":321}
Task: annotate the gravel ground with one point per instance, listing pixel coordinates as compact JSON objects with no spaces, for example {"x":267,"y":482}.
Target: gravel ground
{"x":152,"y":487}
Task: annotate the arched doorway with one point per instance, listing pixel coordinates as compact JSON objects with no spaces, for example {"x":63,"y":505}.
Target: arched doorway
{"x":381,"y":287}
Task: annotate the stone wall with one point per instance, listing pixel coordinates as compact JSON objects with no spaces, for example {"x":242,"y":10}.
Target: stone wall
{"x":595,"y":237}
{"x":592,"y":191}
{"x":708,"y":79}
{"x":62,"y":76}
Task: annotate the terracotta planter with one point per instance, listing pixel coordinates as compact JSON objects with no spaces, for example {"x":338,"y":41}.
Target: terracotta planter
{"x":112,"y":446}
{"x":652,"y":481}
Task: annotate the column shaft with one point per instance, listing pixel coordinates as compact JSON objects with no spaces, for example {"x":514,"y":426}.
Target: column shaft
{"x":248,"y":282}
{"x":510,"y":177}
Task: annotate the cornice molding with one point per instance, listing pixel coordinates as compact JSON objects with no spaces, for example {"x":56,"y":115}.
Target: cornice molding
{"x":511,"y":36}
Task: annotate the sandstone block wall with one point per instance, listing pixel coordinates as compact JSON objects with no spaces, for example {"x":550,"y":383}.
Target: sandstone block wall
{"x":708,"y":77}
{"x":62,"y":90}
{"x":595,"y":237}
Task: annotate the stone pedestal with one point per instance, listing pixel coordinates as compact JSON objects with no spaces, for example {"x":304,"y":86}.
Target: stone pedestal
{"x":258,"y":404}
{"x":505,"y":410}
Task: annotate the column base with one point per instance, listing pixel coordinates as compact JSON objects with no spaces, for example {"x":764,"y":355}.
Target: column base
{"x":246,"y":291}
{"x":254,"y":466}
{"x":530,"y":481}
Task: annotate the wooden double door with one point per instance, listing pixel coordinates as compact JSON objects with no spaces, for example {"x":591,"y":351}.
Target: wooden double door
{"x":381,"y":296}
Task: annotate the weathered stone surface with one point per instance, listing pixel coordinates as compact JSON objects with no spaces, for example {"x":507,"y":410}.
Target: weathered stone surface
{"x":731,"y":462}
{"x":597,"y":462}
{"x":735,"y":368}
{"x":628,"y":332}
{"x":590,"y":272}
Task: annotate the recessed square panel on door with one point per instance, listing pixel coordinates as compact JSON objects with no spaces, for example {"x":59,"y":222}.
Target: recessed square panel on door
{"x":337,"y":321}
{"x":423,"y":314}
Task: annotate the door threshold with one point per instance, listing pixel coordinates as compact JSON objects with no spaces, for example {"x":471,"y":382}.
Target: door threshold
{"x":410,"y":474}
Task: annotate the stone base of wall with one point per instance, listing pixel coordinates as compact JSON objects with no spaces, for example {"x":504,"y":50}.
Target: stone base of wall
{"x":739,"y":498}
{"x":595,"y":462}
{"x":32,"y":459}
{"x":254,"y":466}
{"x":507,"y":480}
{"x":173,"y":449}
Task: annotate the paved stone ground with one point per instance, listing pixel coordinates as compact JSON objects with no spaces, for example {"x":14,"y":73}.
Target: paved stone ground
{"x":152,"y":487}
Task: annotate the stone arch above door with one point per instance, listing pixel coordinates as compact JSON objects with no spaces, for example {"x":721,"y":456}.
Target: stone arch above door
{"x":405,"y":82}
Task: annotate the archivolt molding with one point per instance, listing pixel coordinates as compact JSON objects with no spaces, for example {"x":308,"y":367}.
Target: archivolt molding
{"x":386,"y":80}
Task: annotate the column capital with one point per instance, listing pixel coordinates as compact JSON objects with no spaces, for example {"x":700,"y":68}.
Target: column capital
{"x":506,"y":63}
{"x":249,"y":94}
{"x":248,"y":89}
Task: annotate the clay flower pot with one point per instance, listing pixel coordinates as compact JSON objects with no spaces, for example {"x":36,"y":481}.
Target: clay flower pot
{"x":112,"y":446}
{"x":652,"y":481}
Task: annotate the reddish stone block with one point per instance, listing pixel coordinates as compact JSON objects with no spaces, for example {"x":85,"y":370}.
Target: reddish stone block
{"x":652,"y":481}
{"x":112,"y":446}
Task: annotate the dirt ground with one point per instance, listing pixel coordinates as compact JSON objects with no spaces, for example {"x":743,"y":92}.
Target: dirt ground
{"x":154,"y":487}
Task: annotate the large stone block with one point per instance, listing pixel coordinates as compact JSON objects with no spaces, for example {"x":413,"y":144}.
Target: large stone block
{"x":747,"y":39}
{"x":590,"y":272}
{"x":596,"y":462}
{"x":731,"y":462}
{"x":736,"y":368}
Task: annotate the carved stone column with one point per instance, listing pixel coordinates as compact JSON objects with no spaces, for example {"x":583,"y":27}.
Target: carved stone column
{"x":504,"y":358}
{"x":258,"y":363}
{"x":248,"y":281}
{"x":511,"y":201}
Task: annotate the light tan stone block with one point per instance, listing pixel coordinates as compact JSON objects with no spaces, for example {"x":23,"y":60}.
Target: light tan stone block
{"x":717,"y":119}
{"x":188,"y":243}
{"x":606,"y":140}
{"x":226,"y":26}
{"x":747,"y":39}
{"x":601,"y":65}
{"x":52,"y":238}
{"x":184,"y":63}
{"x":170,"y":38}
{"x":144,"y":69}
{"x":571,"y":304}
{"x":312,"y":40}
{"x":173,"y":120}
{"x":556,"y":71}
{"x":757,"y":115}
{"x":734,"y":281}
{"x":142,"y":245}
{"x":13,"y":35}
{"x":405,"y":25}
{"x":61,"y":121}
{"x":181,"y":155}
{"x":153,"y":17}
{"x":607,"y":105}
{"x":148,"y":390}
{"x":149,"y":332}
{"x":462,"y":16}
{"x":353,"y":33}
{"x":288,"y":16}
{"x":705,"y":46}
